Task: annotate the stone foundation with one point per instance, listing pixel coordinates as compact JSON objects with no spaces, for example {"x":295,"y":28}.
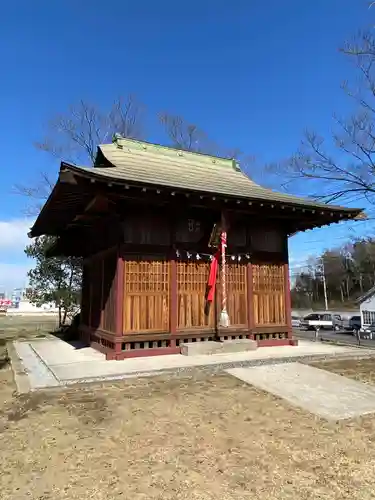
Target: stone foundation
{"x":212,"y":347}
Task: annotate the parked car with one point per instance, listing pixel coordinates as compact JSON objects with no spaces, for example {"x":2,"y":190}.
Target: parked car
{"x":326,"y":321}
{"x":338,"y":322}
{"x":354,"y":324}
{"x":309,"y":321}
{"x":296,"y":322}
{"x":367,"y":332}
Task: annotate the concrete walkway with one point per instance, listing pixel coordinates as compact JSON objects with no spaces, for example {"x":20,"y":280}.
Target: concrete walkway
{"x":323,"y":393}
{"x":38,"y":373}
{"x":52,"y":362}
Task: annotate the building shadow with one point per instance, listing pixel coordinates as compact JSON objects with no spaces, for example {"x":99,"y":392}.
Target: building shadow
{"x":70,"y":333}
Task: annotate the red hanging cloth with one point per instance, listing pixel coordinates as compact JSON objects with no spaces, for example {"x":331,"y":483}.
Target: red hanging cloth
{"x":212,"y":277}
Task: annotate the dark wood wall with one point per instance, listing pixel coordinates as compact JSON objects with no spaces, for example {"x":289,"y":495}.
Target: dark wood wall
{"x":164,"y":292}
{"x":98,"y":310}
{"x":163,"y":228}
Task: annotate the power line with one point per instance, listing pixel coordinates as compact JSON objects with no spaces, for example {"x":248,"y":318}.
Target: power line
{"x":346,"y":237}
{"x":312,"y":275}
{"x":330,"y":245}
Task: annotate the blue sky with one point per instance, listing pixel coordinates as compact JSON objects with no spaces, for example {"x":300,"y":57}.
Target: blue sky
{"x":253,"y":74}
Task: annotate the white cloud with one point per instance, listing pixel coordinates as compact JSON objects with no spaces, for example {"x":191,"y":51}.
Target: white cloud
{"x":14,"y":264}
{"x":13,"y":276}
{"x":13,"y":234}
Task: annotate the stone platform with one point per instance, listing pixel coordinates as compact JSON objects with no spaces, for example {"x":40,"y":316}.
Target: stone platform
{"x":42,"y":363}
{"x":212,"y":347}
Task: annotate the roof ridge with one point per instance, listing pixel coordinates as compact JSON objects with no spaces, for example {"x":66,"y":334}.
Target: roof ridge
{"x":180,"y":160}
{"x":366,"y":295}
{"x":125,"y":142}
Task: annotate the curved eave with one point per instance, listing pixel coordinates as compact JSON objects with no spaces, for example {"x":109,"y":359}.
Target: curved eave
{"x":106,"y":177}
{"x":69,"y":196}
{"x":65,"y":199}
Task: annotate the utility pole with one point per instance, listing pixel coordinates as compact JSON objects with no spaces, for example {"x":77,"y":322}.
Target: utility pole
{"x":324,"y":286}
{"x":322,"y":270}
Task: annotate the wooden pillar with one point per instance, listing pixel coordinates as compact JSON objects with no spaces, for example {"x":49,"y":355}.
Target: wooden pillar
{"x":173,"y":300}
{"x":288,"y":303}
{"x":120,"y":291}
{"x":85,"y":305}
{"x":102,"y":299}
{"x":89,"y":293}
{"x":85,"y":296}
{"x":250,"y":299}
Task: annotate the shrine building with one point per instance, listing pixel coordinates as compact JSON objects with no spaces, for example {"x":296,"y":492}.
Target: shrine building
{"x":148,"y":221}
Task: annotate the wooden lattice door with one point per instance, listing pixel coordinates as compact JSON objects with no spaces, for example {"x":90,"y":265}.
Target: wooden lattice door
{"x":192,"y":280}
{"x":237,"y":294}
{"x":269,"y":294}
{"x":146,"y":298}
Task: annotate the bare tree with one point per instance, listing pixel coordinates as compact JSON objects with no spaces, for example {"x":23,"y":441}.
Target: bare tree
{"x":75,"y":134}
{"x":349,"y":272}
{"x":187,"y":136}
{"x":72,"y":136}
{"x":348,"y":175}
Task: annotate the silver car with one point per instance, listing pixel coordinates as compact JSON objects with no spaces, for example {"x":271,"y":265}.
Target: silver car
{"x":296,"y":322}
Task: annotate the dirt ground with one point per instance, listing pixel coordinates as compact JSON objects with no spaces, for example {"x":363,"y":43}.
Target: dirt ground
{"x":23,"y":327}
{"x":197,"y":438}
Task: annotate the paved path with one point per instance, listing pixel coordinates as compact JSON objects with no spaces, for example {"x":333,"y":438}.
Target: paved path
{"x":344,"y":337}
{"x":39,"y":375}
{"x":318,"y":391}
{"x":48,"y":362}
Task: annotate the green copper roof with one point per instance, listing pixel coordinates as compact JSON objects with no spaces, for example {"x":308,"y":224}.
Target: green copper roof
{"x":140,"y":162}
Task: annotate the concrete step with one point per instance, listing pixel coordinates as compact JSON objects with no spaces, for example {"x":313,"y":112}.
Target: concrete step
{"x":212,"y":347}
{"x":239,"y":345}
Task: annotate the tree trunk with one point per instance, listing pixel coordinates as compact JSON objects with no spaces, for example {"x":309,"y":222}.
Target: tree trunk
{"x":316,"y":290}
{"x":64,"y":316}
{"x":60,"y":314}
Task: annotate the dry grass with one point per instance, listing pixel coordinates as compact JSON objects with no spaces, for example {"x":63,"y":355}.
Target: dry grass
{"x":23,"y":327}
{"x":211,"y":437}
{"x":207,"y":437}
{"x":357,"y":369}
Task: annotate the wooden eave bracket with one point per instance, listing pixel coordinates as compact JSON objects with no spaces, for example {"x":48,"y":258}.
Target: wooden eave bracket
{"x":100,"y":205}
{"x":339,"y":217}
{"x":361,"y":216}
{"x":66,"y":176}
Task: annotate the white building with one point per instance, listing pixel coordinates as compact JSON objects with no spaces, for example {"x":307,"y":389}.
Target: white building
{"x":21,"y":305}
{"x":367,"y":307}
